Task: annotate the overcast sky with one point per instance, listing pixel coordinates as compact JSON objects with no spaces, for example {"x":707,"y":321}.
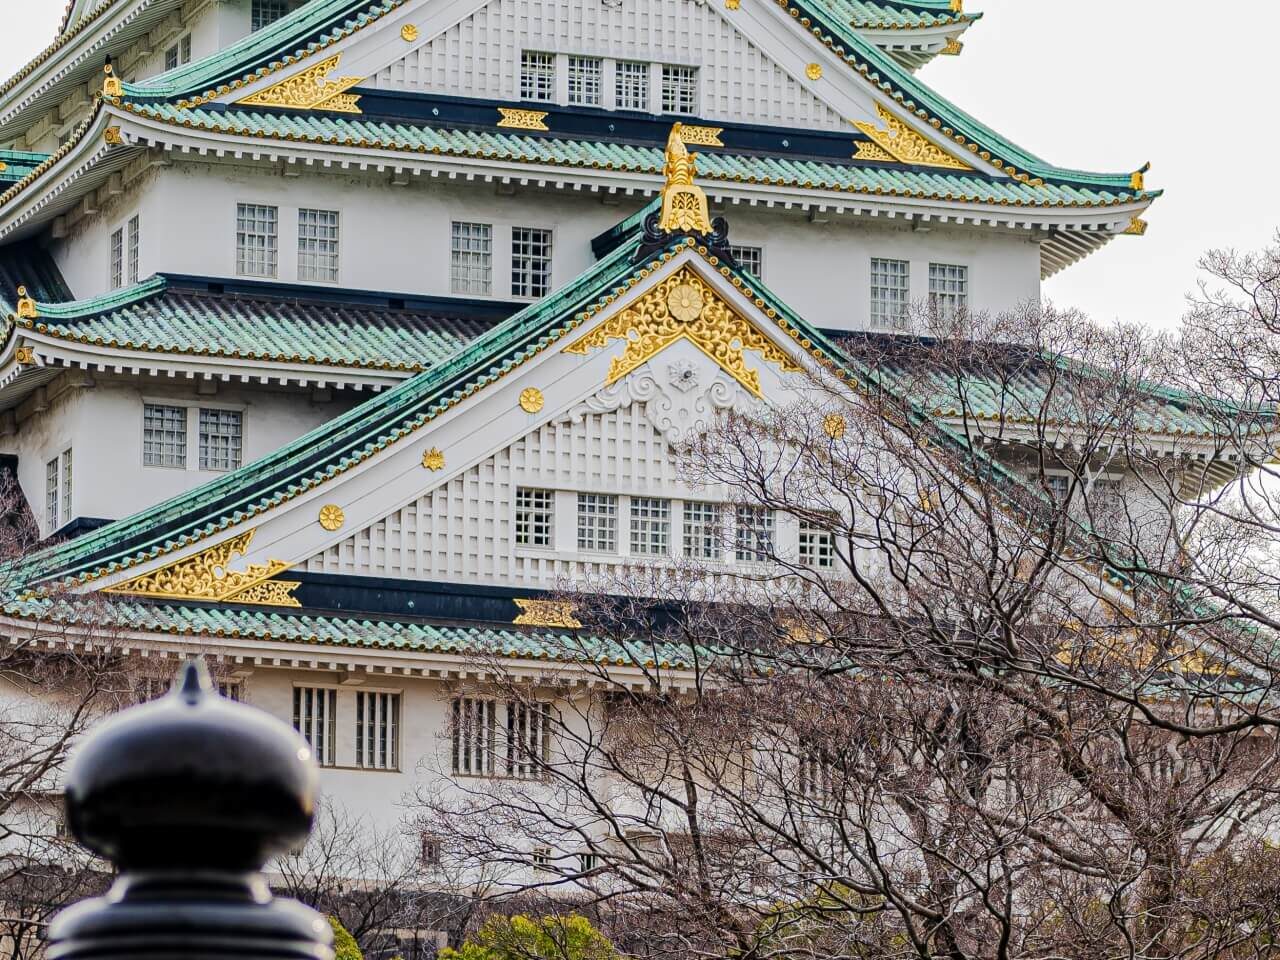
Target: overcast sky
{"x":1097,"y":85}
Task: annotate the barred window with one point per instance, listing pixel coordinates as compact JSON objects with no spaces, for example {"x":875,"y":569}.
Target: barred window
{"x":221,"y":439}
{"x":530,"y":262}
{"x":679,"y":90}
{"x":750,"y":258}
{"x":597,"y":522}
{"x":378,"y":730}
{"x":257,"y":239}
{"x":948,"y":288}
{"x":817,"y":546}
{"x":650,"y":526}
{"x":631,"y":86}
{"x":315,"y":711}
{"x":528,"y":739}
{"x":1057,"y":484}
{"x":231,"y":690}
{"x":430,"y":851}
{"x":584,"y":80}
{"x":135,"y":249}
{"x":534,"y":512}
{"x":814,"y":779}
{"x":185,"y":47}
{"x":51,"y":499}
{"x":171,"y":58}
{"x":702,"y":530}
{"x":475,"y":734}
{"x":492,"y":738}
{"x":266,"y":12}
{"x":753,"y":533}
{"x":117,"y":259}
{"x":164,"y":435}
{"x":471,"y":263}
{"x":66,"y":486}
{"x":318,"y":245}
{"x":537,"y":76}
{"x":890,"y":293}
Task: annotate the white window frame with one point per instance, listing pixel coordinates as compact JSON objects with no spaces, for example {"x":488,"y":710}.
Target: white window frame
{"x":749,"y":546}
{"x":626,"y":72}
{"x":889,"y":304}
{"x":193,"y":431}
{"x":473,"y":279}
{"x":133,"y":251}
{"x":586,"y":80}
{"x":816,"y":546}
{"x":533,"y":84}
{"x":182,"y":463}
{"x":205,"y":456}
{"x":949,"y":288}
{"x":650,"y":526}
{"x":696,"y":531}
{"x":671,"y":92}
{"x":528,"y":514}
{"x":745,"y":254}
{"x":481,"y":737}
{"x":257,"y":21}
{"x":249,"y":257}
{"x":115,"y":261}
{"x":58,"y":500}
{"x":526,"y":282}
{"x":598,"y":515}
{"x":319,"y":256}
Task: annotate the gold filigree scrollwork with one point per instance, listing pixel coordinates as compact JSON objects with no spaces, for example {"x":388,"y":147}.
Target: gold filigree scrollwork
{"x":701,"y":136}
{"x":902,"y":144}
{"x":517,"y":119}
{"x":684,"y":307}
{"x":684,"y":205}
{"x":310,"y":89}
{"x":207,"y":576}
{"x":546,"y":613}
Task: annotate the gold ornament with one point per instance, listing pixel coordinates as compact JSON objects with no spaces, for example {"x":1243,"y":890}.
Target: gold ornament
{"x":111,"y":136}
{"x":957,"y":6}
{"x":433,"y":459}
{"x":813,"y":71}
{"x":685,"y":303}
{"x":833,"y":425}
{"x":531,"y":400}
{"x":903,"y":144}
{"x":26,"y":306}
{"x":207,"y":576}
{"x":701,"y":136}
{"x":952,"y":48}
{"x":517,"y":119}
{"x":1138,"y":179}
{"x":310,"y":89}
{"x":684,"y":205}
{"x":1137,"y":227}
{"x":650,"y":325}
{"x":732,"y":4}
{"x":546,"y":613}
{"x":25,"y":355}
{"x":409,"y":33}
{"x":331,"y":517}
{"x":111,"y":83}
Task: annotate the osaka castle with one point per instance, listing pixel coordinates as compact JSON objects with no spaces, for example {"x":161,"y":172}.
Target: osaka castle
{"x":341,"y":336}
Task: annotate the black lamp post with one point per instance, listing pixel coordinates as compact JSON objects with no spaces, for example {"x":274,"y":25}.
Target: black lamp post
{"x":189,"y":796}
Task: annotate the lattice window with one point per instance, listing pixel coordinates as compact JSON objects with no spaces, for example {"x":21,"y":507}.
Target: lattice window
{"x":117,"y":259}
{"x":164,"y":435}
{"x":702,"y":533}
{"x":315,"y":712}
{"x":135,"y":249}
{"x":318,"y":245}
{"x":751,"y":258}
{"x":817,"y":546}
{"x":257,"y":240}
{"x":679,"y":90}
{"x":598,"y":522}
{"x":184,"y":46}
{"x":753,"y":533}
{"x":475,"y":736}
{"x":530,"y":262}
{"x":471,"y":260}
{"x":51,"y":499}
{"x":535,"y":510}
{"x":631,"y":86}
{"x":1057,"y":484}
{"x":537,"y":76}
{"x":171,"y":58}
{"x":378,"y":730}
{"x":585,"y":74}
{"x":266,"y":12}
{"x":66,"y":486}
{"x":528,"y":739}
{"x":948,"y":288}
{"x":496,"y":739}
{"x":650,"y":526}
{"x":221,"y":439}
{"x":890,"y":293}
{"x":430,"y":851}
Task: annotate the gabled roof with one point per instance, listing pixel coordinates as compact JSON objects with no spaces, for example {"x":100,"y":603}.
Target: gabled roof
{"x":16,"y":164}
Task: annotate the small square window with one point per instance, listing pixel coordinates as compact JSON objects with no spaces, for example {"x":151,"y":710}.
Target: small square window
{"x":679,"y":90}
{"x":530,"y":262}
{"x":584,"y":80}
{"x":164,"y":435}
{"x":537,"y":76}
{"x":890,"y":293}
{"x":753,"y":533}
{"x":221,"y":439}
{"x":631,"y":86}
{"x":597,"y":522}
{"x":702,"y":533}
{"x":257,"y":238}
{"x":650,"y":527}
{"x":948,"y":288}
{"x":817,"y":546}
{"x":534,"y":512}
{"x":318,"y":245}
{"x":749,"y":258}
{"x":471,"y":259}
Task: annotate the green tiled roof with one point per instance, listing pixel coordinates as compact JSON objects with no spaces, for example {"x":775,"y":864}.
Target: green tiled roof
{"x":16,"y":164}
{"x":870,"y":14}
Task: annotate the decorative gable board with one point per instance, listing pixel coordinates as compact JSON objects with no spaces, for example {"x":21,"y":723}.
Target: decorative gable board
{"x":480,"y":56}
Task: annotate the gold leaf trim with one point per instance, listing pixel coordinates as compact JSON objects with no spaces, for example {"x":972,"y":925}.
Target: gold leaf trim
{"x":207,"y":576}
{"x":905,"y":145}
{"x":546,"y":613}
{"x":517,"y":119}
{"x":531,"y":400}
{"x":310,"y":89}
{"x":433,"y":459}
{"x":684,"y":205}
{"x":1137,"y":227}
{"x":331,"y":517}
{"x":701,"y":136}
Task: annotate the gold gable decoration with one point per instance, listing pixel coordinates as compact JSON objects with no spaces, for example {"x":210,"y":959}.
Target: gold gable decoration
{"x":684,"y":205}
{"x":310,"y":89}
{"x":901,"y":144}
{"x":546,"y":613}
{"x":207,"y":576}
{"x":684,"y":307}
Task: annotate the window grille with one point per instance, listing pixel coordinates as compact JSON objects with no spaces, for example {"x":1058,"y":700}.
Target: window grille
{"x":584,"y":80}
{"x":597,"y":522}
{"x":679,"y":90}
{"x":266,"y":12}
{"x":171,"y":58}
{"x":542,"y":858}
{"x":430,"y":850}
{"x":315,"y":717}
{"x":814,"y":778}
{"x":534,"y":512}
{"x":817,"y":546}
{"x":753,"y":533}
{"x":650,"y":526}
{"x":135,"y":249}
{"x":185,"y":46}
{"x":164,"y":435}
{"x":1057,"y":484}
{"x":318,"y":245}
{"x":117,"y":259}
{"x":66,"y":486}
{"x":631,"y":86}
{"x":492,"y":738}
{"x":257,"y":239}
{"x":537,"y":76}
{"x":378,"y":730}
{"x":702,"y":531}
{"x":588,"y":862}
{"x":221,"y":439}
{"x":528,"y":739}
{"x":750,"y":258}
{"x":948,"y":288}
{"x":51,"y":500}
{"x":890,"y":293}
{"x":471,"y":264}
{"x":530,"y":262}
{"x":475,"y":734}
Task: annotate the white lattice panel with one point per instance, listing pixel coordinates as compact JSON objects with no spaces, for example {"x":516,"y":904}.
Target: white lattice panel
{"x":480,"y":56}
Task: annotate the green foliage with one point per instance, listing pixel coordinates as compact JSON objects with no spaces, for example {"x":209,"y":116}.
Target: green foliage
{"x":521,"y":937}
{"x":344,"y":944}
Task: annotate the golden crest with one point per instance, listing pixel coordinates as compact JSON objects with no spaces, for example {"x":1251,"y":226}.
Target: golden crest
{"x":111,"y":86}
{"x":701,"y":136}
{"x":546,"y":613}
{"x":517,"y":119}
{"x":531,"y":400}
{"x":25,"y":355}
{"x":409,"y":33}
{"x":331,"y":517}
{"x":902,"y":144}
{"x":310,"y":89}
{"x":111,"y":136}
{"x":1137,"y":227}
{"x":433,"y":459}
{"x":833,"y":426}
{"x":813,"y":71}
{"x":26,"y":306}
{"x":684,"y":205}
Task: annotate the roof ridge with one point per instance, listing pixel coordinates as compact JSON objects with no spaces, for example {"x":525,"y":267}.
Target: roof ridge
{"x":108,"y":301}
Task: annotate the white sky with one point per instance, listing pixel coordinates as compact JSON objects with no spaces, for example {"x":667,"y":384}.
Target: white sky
{"x":1093,"y":84}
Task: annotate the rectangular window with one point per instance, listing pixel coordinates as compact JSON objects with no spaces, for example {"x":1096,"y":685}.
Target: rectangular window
{"x":753,"y":533}
{"x":266,"y":12}
{"x":231,"y":690}
{"x":475,"y":734}
{"x":491,"y":738}
{"x":184,"y":46}
{"x":588,"y":862}
{"x":815,"y":774}
{"x":318,"y":245}
{"x":679,"y":90}
{"x":890,"y":293}
{"x":257,"y":238}
{"x":171,"y":58}
{"x":530,"y":262}
{"x":1057,"y":484}
{"x":750,"y":258}
{"x":584,"y":80}
{"x":51,"y":499}
{"x":597,"y":522}
{"x":378,"y":730}
{"x":650,"y":526}
{"x":948,"y":288}
{"x":534,"y":512}
{"x":631,"y":86}
{"x":702,"y":531}
{"x":66,"y":486}
{"x":817,"y":546}
{"x":430,"y":851}
{"x":528,"y":739}
{"x":471,"y":261}
{"x":117,"y":259}
{"x":537,"y":76}
{"x":164,"y":435}
{"x":221,"y":439}
{"x":135,"y":249}
{"x":315,"y":712}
